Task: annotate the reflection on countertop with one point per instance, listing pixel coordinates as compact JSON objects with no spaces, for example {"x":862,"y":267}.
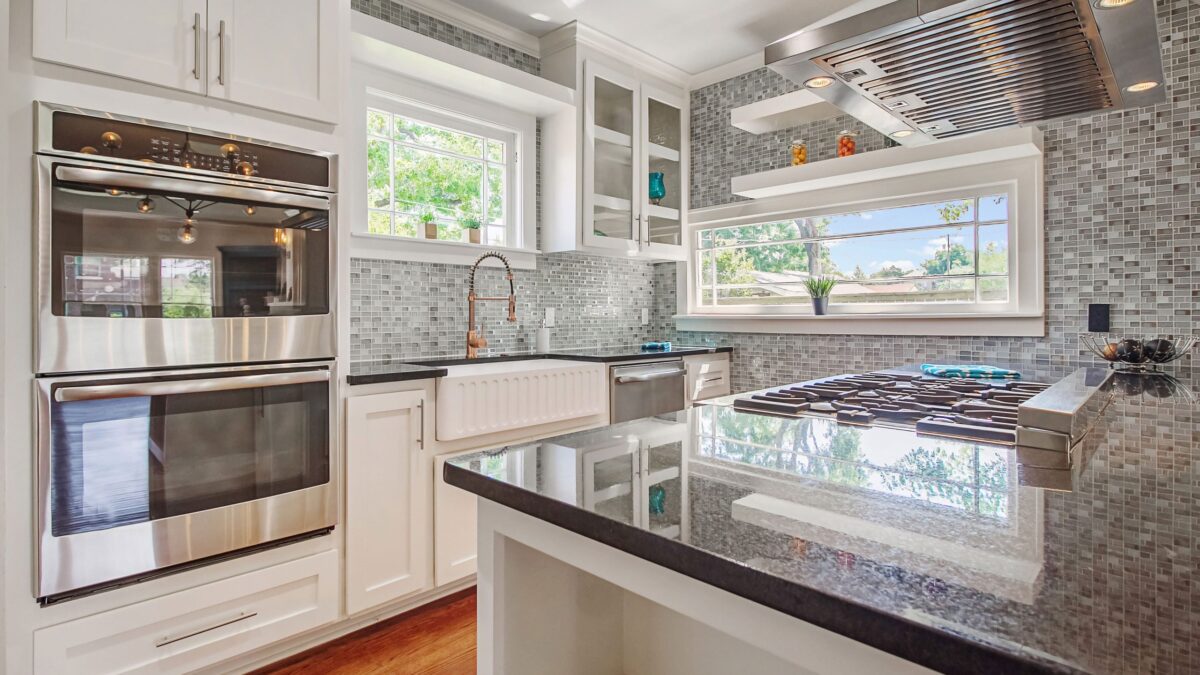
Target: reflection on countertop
{"x":1102,"y":576}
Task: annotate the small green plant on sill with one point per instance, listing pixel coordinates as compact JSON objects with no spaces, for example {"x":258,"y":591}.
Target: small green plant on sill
{"x":429,"y":220}
{"x":470,"y":223}
{"x":820,"y":287}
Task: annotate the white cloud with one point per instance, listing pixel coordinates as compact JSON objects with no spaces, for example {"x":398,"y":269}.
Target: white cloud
{"x":905,"y":265}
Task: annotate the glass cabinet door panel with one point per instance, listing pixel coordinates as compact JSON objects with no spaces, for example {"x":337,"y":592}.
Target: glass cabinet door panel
{"x":612,"y":125}
{"x":663,"y":167}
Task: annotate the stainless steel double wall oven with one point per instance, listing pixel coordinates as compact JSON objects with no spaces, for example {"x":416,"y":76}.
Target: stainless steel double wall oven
{"x":185,"y":343}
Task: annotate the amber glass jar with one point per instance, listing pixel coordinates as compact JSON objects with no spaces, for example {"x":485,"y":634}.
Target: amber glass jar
{"x":846,"y":143}
{"x":799,"y":153}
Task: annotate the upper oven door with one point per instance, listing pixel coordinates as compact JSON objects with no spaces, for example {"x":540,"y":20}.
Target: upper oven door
{"x":142,"y":268}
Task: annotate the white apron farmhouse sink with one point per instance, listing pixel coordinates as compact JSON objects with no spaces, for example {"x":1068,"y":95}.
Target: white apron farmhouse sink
{"x":488,"y":398}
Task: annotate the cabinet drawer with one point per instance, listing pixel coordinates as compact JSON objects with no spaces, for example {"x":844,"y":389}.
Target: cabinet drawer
{"x":710,"y":386}
{"x":197,"y":627}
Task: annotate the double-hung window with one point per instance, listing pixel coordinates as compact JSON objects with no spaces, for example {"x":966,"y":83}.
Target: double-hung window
{"x":433,"y":175}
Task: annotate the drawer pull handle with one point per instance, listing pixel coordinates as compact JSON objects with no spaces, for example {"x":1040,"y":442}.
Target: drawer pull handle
{"x":711,"y":380}
{"x":228,"y":622}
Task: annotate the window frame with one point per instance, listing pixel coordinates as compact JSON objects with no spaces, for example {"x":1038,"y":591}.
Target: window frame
{"x":396,"y":94}
{"x":1023,"y":314}
{"x":488,"y":132}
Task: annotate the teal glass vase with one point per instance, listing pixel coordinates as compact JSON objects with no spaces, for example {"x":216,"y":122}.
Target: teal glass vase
{"x":658,"y":189}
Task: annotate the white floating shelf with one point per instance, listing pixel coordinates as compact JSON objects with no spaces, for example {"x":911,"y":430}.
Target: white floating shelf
{"x":614,"y":203}
{"x":984,"y":148}
{"x":666,"y":212}
{"x":663,"y":152}
{"x":382,"y":45}
{"x":614,"y":137}
{"x":782,"y":112}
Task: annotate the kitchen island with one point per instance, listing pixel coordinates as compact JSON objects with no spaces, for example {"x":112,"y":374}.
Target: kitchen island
{"x":714,"y":541}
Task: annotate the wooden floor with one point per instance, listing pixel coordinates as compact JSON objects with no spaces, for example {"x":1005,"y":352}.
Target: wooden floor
{"x":435,"y":639}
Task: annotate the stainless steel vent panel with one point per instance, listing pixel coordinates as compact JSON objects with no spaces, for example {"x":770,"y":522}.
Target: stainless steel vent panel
{"x":946,"y":68}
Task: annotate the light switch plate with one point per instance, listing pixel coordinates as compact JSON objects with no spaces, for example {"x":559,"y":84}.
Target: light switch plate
{"x":549,"y":317}
{"x":645,"y":317}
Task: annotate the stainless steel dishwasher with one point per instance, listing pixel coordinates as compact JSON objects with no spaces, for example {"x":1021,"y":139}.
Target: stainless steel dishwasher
{"x":646,"y":389}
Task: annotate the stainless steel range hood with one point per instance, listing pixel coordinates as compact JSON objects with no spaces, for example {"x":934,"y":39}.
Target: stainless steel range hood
{"x":922,"y":70}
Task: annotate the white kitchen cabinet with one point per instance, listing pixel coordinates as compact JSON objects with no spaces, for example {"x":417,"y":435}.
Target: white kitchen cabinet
{"x":275,"y":54}
{"x":156,"y":41}
{"x":597,"y":168}
{"x":708,"y":376}
{"x":455,"y":550}
{"x":387,"y":499}
{"x":197,"y":627}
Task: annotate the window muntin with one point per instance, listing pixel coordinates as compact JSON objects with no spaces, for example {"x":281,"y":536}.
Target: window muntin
{"x":948,"y":254}
{"x":418,"y":168}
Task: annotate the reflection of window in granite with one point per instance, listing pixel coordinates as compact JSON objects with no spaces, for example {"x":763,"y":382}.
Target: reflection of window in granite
{"x":964,"y":476}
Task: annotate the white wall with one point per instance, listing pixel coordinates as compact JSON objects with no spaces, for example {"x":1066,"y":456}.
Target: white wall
{"x":25,"y":81}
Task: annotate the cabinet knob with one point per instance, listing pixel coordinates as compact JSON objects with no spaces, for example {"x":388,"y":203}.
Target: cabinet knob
{"x":229,"y":150}
{"x":111,"y":140}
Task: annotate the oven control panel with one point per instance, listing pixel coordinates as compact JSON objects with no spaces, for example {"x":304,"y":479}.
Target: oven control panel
{"x":106,"y":137}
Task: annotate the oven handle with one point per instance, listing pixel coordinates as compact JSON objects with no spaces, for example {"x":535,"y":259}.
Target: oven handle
{"x":131,"y":389}
{"x":138,"y":181}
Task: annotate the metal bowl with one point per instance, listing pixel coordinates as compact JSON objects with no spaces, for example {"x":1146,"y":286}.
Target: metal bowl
{"x":1138,"y":354}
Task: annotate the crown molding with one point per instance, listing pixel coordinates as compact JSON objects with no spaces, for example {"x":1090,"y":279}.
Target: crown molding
{"x":746,"y":64}
{"x":577,"y":33}
{"x":470,"y":20}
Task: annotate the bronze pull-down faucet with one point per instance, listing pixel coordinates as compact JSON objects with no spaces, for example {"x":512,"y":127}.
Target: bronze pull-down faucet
{"x":475,"y":339}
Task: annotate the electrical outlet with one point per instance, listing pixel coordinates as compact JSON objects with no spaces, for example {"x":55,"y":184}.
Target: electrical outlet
{"x":549,"y":317}
{"x":645,"y":316}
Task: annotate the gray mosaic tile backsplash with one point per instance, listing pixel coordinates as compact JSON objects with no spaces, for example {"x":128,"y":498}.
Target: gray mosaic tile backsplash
{"x":418,"y":22}
{"x":1121,"y":194}
{"x":407,"y":310}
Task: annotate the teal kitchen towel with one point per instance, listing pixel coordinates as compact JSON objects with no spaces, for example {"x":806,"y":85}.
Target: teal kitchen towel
{"x":985,"y":372}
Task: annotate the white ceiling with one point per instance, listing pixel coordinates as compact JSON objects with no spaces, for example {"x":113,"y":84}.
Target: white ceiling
{"x":693,"y":35}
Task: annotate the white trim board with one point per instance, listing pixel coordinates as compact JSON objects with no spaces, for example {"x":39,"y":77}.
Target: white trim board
{"x":966,"y":325}
{"x":388,"y":47}
{"x":479,"y":24}
{"x":577,"y":33}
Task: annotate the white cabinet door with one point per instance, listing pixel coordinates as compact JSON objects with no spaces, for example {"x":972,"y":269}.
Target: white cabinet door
{"x":455,"y":550}
{"x":611,"y":127}
{"x":157,"y":41}
{"x":663,"y":156}
{"x":275,"y":54}
{"x":387,"y":499}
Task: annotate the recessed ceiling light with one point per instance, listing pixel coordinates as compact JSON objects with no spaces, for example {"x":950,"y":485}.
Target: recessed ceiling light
{"x":539,"y":16}
{"x":903,"y":133}
{"x":818,"y":82}
{"x":1141,"y":86}
{"x":1111,"y":4}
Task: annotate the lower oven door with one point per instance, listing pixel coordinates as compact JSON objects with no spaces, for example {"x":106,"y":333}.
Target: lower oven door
{"x":140,"y":473}
{"x":646,"y":389}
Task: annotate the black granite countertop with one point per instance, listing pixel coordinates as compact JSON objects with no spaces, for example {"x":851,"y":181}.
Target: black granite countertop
{"x":372,"y":372}
{"x":928,"y":548}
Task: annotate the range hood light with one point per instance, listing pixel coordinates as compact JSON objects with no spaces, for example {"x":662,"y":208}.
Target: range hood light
{"x":819,"y":82}
{"x":1142,"y":86}
{"x":903,"y":133}
{"x":1111,"y":4}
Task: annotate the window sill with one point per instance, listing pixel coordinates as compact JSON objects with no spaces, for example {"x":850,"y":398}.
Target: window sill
{"x":444,"y":251}
{"x":974,"y":325}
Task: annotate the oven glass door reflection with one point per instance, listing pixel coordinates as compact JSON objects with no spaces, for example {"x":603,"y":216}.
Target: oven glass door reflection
{"x":165,"y":451}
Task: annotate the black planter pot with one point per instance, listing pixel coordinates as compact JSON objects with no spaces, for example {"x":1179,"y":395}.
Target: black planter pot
{"x":820,"y":305}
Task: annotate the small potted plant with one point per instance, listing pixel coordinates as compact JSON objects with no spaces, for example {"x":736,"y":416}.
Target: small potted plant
{"x":820,"y":288}
{"x":429,"y":220}
{"x":471,"y":225}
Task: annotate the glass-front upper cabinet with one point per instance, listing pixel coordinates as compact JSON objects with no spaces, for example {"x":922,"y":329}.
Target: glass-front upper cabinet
{"x":612,"y":124}
{"x":661,"y":164}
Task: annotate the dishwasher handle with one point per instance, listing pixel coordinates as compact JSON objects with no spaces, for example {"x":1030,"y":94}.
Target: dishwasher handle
{"x":659,"y":375}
